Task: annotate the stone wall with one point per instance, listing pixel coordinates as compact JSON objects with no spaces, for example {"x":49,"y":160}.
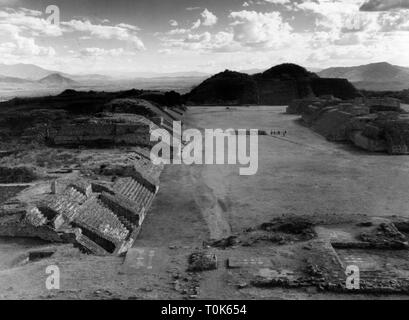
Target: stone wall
{"x":383,"y":104}
{"x":100,"y":133}
{"x":339,"y":88}
{"x":397,"y":137}
{"x":356,"y":121}
{"x":333,"y":125}
{"x":372,"y":145}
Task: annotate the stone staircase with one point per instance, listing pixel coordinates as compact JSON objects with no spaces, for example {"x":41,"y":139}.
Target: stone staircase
{"x":139,"y":194}
{"x":75,"y":195}
{"x":91,"y":245}
{"x":107,"y":219}
{"x":65,"y":206}
{"x":134,"y":191}
{"x":98,"y":218}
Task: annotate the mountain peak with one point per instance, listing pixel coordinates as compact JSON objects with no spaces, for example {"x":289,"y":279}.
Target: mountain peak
{"x":24,"y":71}
{"x":381,"y":76}
{"x":56,"y":79}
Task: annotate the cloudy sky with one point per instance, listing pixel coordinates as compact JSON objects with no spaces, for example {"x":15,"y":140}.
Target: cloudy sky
{"x":203,"y":35}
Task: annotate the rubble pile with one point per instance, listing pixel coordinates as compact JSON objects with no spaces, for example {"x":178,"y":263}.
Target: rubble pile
{"x":375,"y":124}
{"x":202,"y":261}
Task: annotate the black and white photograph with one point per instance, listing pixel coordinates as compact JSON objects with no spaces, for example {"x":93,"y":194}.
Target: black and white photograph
{"x":204,"y":154}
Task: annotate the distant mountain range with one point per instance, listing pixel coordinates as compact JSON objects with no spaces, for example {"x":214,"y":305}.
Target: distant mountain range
{"x":11,"y":80}
{"x":31,"y":72}
{"x":376,"y":76}
{"x":158,"y":75}
{"x":24,"y":71}
{"x":52,"y":80}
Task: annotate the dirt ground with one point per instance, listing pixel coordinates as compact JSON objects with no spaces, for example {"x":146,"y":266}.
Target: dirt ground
{"x":300,"y":174}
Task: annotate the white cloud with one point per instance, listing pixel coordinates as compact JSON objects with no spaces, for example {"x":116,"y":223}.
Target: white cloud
{"x":29,"y":21}
{"x":196,"y":24}
{"x":337,"y":32}
{"x":346,"y":35}
{"x":384,"y":5}
{"x":209,"y":19}
{"x":164,"y":51}
{"x":278,"y":1}
{"x":256,"y":29}
{"x":122,"y":32}
{"x":8,"y":2}
{"x":100,"y":52}
{"x":31,"y":12}
{"x":128,"y":26}
{"x":394,"y":21}
{"x":22,"y":45}
{"x":173,"y":23}
{"x":21,"y":27}
{"x":248,"y":30}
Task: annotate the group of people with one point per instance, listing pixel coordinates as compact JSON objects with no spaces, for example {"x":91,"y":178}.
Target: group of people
{"x":279,"y":133}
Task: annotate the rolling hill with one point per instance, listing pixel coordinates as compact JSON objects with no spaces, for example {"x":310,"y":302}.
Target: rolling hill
{"x":34,"y":73}
{"x":376,"y":76}
{"x":24,"y":71}
{"x":13,"y":80}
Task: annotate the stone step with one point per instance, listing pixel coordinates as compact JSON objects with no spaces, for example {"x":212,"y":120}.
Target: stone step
{"x":76,"y":195}
{"x":91,"y":246}
{"x":132,"y":190}
{"x":137,"y":192}
{"x":114,"y":219}
{"x":150,"y":201}
{"x":133,"y":185}
{"x":120,"y":185}
{"x":145,"y":199}
{"x":127,"y":186}
{"x":63,"y":206}
{"x":141,"y":196}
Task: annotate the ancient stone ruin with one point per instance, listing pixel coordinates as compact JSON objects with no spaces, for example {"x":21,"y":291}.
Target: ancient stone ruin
{"x":100,"y":200}
{"x":102,"y":214}
{"x":277,"y":86}
{"x":375,"y":124}
{"x":107,"y":130}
